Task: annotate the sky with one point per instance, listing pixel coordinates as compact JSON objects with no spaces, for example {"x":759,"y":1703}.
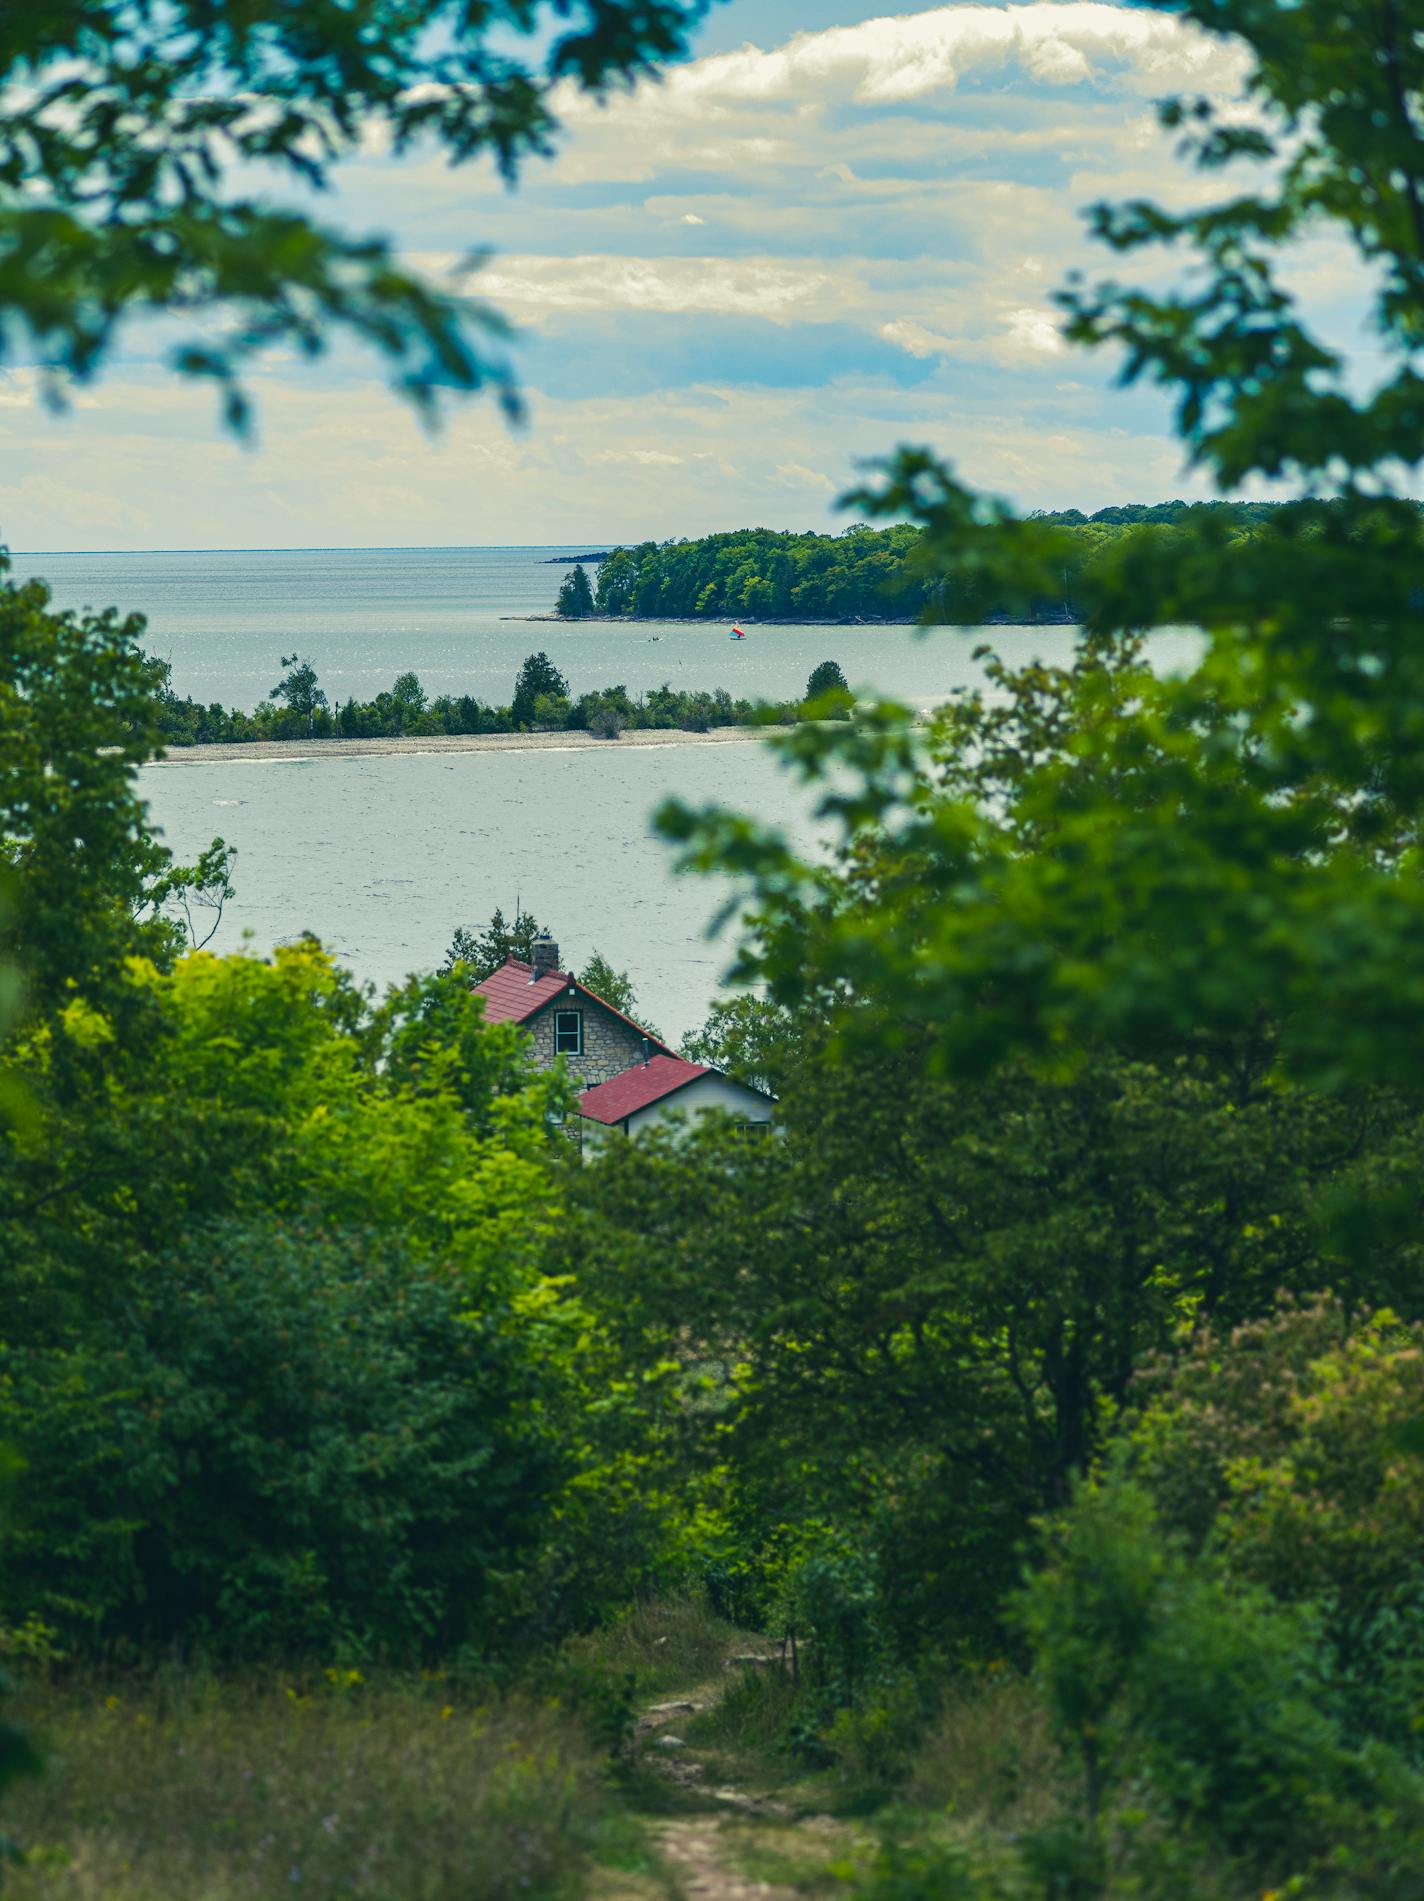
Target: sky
{"x":828,"y":232}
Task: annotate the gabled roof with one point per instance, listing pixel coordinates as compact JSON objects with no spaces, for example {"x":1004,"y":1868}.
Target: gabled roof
{"x":640,"y":1086}
{"x":510,"y":996}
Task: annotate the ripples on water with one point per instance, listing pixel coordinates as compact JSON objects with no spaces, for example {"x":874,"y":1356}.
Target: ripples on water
{"x":382,"y":857}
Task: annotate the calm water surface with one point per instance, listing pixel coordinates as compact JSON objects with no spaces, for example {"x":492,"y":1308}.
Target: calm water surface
{"x":361,"y":616}
{"x":383,"y":857}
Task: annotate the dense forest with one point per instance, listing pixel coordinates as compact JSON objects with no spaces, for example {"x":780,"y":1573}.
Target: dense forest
{"x":1007,"y":1484}
{"x":864,"y":573}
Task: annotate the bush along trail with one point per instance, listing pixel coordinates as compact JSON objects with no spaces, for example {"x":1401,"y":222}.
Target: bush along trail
{"x":727,"y":1814}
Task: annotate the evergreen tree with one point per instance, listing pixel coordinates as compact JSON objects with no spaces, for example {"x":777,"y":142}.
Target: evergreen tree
{"x":537,"y":676}
{"x":827,"y":678}
{"x":482,"y":952}
{"x":576,"y":596}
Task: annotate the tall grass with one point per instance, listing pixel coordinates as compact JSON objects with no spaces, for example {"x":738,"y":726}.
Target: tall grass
{"x":240,"y":1792}
{"x":659,"y":1646}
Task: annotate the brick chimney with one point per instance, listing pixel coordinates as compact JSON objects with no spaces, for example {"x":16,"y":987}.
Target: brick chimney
{"x":543,"y":957}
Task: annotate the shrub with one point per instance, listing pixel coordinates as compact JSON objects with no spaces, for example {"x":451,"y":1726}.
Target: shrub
{"x":1283,"y":1446}
{"x":1207,"y":1704}
{"x":363,"y":1791}
{"x":300,"y":1441}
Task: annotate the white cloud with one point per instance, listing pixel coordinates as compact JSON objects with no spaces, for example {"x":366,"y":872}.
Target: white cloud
{"x":534,"y":288}
{"x":797,"y":475}
{"x":901,"y":196}
{"x":899,"y":57}
{"x":1034,"y":333}
{"x":645,"y":458}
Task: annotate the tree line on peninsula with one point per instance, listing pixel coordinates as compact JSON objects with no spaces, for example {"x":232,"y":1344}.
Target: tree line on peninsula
{"x":298,"y":708}
{"x":867,"y":574}
{"x":1058,"y":1372}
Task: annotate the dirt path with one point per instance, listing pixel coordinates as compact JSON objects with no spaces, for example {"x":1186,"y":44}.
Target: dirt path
{"x":702,"y":1851}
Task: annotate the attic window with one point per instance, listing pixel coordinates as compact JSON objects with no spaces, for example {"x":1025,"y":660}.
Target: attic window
{"x":568,"y":1032}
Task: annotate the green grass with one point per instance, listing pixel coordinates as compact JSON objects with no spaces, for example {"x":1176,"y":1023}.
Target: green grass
{"x":989,"y":1757}
{"x":395,"y":1792}
{"x":663,"y":1647}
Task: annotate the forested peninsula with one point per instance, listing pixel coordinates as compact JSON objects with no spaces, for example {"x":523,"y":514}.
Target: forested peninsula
{"x":863,"y":574}
{"x":298,"y":708}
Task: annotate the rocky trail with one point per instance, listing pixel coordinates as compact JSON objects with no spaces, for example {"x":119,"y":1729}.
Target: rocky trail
{"x":710,"y":1850}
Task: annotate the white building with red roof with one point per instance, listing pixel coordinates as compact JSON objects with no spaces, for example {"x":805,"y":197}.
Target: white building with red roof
{"x":631,"y":1079}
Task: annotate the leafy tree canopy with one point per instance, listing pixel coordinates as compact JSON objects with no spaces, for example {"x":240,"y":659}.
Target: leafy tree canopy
{"x":615,"y":987}
{"x":1179,"y":856}
{"x":298,"y":689}
{"x":135,"y":141}
{"x":88,"y":883}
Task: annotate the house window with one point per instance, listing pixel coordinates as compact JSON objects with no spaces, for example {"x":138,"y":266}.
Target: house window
{"x":568,"y":1032}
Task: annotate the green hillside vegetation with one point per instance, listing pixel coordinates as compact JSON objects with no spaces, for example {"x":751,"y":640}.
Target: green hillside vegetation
{"x":868,"y":574}
{"x":1010,"y":1478}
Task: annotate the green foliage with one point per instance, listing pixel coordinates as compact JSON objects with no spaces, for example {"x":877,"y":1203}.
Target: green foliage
{"x":303,"y":1251}
{"x":538,"y":678}
{"x":291,"y":1442}
{"x":756,"y":573}
{"x":1281,"y":1446}
{"x":132,"y":159}
{"x":298,"y":690}
{"x":615,"y":987}
{"x":617,"y":579}
{"x":921,"y":1309}
{"x":939,"y":1869}
{"x":826,"y":678}
{"x":1283,"y":1451}
{"x":575,"y":600}
{"x":483,"y":952}
{"x":749,"y":1038}
{"x":87,"y":884}
{"x":323,"y":1783}
{"x":1174,"y":1687}
{"x":894,"y":574}
{"x":18,"y":1755}
{"x":404,"y":711}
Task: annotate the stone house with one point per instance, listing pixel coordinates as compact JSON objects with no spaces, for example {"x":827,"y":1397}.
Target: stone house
{"x":563,"y":1018}
{"x":630,"y":1079}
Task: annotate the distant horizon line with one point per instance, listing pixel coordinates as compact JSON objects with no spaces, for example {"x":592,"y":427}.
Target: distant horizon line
{"x":378,"y":547}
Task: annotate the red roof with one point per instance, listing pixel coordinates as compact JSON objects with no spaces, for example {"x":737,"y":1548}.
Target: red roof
{"x":639,"y":1086}
{"x":511,"y":998}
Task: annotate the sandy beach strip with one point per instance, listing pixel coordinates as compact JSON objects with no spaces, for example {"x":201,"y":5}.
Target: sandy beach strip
{"x":303,"y":751}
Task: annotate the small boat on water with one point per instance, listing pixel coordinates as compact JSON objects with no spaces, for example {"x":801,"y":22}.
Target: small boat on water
{"x":737,"y":634}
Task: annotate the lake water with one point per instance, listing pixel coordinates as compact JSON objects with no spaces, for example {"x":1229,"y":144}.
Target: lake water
{"x":383,"y":857}
{"x":361,"y":616}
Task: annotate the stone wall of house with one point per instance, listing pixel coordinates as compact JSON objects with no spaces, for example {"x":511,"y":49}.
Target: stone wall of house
{"x":609,"y":1044}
